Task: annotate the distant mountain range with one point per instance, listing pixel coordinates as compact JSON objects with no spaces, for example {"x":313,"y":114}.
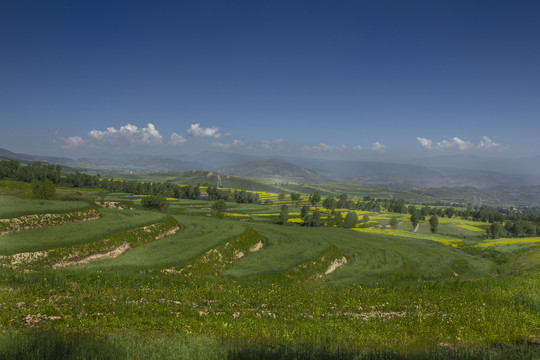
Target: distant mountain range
{"x":296,"y":169}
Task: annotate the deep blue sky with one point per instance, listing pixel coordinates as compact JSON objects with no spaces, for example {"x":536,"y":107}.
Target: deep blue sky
{"x":397,"y":78}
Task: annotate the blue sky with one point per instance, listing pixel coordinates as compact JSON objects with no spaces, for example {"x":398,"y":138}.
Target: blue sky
{"x":340,"y":79}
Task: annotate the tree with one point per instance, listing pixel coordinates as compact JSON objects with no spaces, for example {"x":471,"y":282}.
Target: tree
{"x":336,"y":219}
{"x":494,"y":230}
{"x":295,"y":197}
{"x":158,"y":202}
{"x":449,"y":212}
{"x":434,"y":223}
{"x":283,"y":215}
{"x":304,"y":212}
{"x":351,"y":219}
{"x":315,"y":198}
{"x":281,"y":197}
{"x":315,"y":219}
{"x":219,"y":207}
{"x":415,"y":219}
{"x":43,"y":189}
{"x":342,"y":201}
{"x":329,"y":203}
{"x":393,"y":222}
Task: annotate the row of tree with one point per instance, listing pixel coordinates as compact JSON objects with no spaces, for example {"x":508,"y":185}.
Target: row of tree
{"x":505,"y":221}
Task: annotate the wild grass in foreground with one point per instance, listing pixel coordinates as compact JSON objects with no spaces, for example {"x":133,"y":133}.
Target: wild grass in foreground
{"x":35,"y":344}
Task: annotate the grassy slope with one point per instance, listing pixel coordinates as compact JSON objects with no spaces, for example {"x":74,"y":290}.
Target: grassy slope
{"x":74,"y":233}
{"x":384,"y":275}
{"x":14,"y":207}
{"x":197,"y":236}
{"x":371,"y":257}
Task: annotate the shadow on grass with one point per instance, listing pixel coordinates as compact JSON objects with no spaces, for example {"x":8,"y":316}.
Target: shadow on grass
{"x":50,"y":344}
{"x":517,"y":351}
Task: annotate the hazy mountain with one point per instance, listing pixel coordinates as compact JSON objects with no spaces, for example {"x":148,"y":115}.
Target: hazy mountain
{"x":110,"y":163}
{"x":303,"y":170}
{"x":472,"y":162}
{"x":143,"y":164}
{"x":276,"y":169}
{"x":26,"y":158}
{"x":215,"y":159}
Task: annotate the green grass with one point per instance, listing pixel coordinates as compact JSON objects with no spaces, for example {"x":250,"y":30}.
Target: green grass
{"x":396,"y":297}
{"x":74,"y":233}
{"x":13,"y":207}
{"x":197,"y":236}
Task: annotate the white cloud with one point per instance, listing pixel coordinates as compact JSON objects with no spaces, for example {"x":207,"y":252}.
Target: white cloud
{"x":128,"y":130}
{"x":235,"y":144}
{"x":72,"y":142}
{"x":462,"y":144}
{"x":150,"y":135}
{"x":197,"y":130}
{"x":459,"y":144}
{"x":424,"y":143}
{"x":358,"y":148}
{"x":378,"y":147}
{"x":488,"y":144}
{"x":453,"y":143}
{"x":177,"y":139}
{"x":98,"y":134}
{"x":130,"y":133}
{"x":323,"y":147}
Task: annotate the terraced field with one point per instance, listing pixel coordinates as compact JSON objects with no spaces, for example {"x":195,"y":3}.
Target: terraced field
{"x":205,"y":287}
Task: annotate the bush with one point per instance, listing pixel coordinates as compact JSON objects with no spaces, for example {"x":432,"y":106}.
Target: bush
{"x":43,"y":190}
{"x":219,"y":207}
{"x":158,"y":202}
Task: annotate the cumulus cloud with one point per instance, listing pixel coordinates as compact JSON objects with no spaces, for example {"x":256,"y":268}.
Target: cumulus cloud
{"x":378,"y":147}
{"x":358,"y":148}
{"x":459,"y":144}
{"x":132,"y":134}
{"x":424,"y":143}
{"x":488,"y":144}
{"x":177,"y":139}
{"x":235,"y":144}
{"x":98,"y":134}
{"x":323,"y":147}
{"x":197,"y":130}
{"x":462,"y":144}
{"x":454,"y":143}
{"x":72,"y":142}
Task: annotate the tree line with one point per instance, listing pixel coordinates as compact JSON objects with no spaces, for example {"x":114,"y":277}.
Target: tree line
{"x":504,"y":221}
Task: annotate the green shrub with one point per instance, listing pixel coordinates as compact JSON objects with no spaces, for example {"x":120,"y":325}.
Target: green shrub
{"x":43,"y":190}
{"x":158,"y":202}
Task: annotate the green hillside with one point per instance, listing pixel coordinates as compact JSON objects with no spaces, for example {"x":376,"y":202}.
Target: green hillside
{"x":186,"y":282}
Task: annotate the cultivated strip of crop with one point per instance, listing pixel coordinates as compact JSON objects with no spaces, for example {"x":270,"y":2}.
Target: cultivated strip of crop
{"x":328,"y":262}
{"x":508,"y":241}
{"x":216,"y":260}
{"x":110,"y":246}
{"x":447,"y":240}
{"x":40,"y":220}
{"x":14,"y":207}
{"x":52,"y":237}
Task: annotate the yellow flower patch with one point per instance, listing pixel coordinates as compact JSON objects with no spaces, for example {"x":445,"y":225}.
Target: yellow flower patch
{"x":509,"y":241}
{"x":470,"y":227}
{"x":402,"y":233}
